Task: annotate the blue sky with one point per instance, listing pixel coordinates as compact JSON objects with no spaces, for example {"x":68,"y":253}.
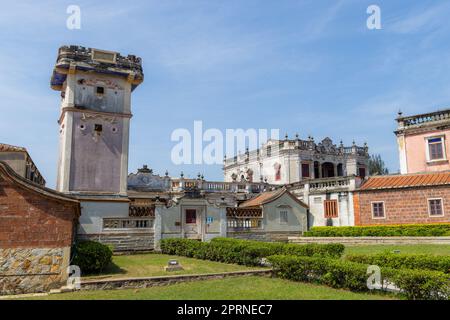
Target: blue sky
{"x":310,"y":67}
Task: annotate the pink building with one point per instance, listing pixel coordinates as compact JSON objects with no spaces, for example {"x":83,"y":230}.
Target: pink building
{"x":423,"y":142}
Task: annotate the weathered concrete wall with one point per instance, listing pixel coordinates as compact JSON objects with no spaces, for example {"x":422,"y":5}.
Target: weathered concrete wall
{"x":113,"y":98}
{"x":297,"y":215}
{"x":96,"y":156}
{"x":345,"y":209}
{"x":93,"y":212}
{"x":136,"y":241}
{"x":16,"y":160}
{"x":91,"y":227}
{"x":171,"y":220}
{"x":214,"y":226}
{"x":25,"y":270}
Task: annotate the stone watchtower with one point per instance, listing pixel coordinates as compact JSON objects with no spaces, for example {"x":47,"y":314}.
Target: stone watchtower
{"x":94,"y":119}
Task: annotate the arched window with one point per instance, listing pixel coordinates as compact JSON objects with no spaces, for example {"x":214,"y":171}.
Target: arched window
{"x":340,"y":170}
{"x":316,"y":170}
{"x":327,"y":170}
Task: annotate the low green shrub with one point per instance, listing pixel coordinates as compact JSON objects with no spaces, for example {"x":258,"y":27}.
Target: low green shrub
{"x":406,"y":261}
{"x":181,"y":247}
{"x":332,"y":272}
{"x":245,"y":252}
{"x":412,"y":230}
{"x":92,"y":257}
{"x":342,"y":274}
{"x":421,"y":284}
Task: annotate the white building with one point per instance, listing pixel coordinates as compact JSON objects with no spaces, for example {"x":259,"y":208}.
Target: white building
{"x":322,"y":175}
{"x":290,"y":161}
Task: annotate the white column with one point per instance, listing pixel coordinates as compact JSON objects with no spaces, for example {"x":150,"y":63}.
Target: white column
{"x":223,"y":222}
{"x":124,"y":157}
{"x":66,"y":153}
{"x":401,"y":142}
{"x":306,"y":193}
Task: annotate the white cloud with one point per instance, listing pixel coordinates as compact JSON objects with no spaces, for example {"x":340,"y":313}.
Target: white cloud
{"x":422,"y":20}
{"x":321,"y":23}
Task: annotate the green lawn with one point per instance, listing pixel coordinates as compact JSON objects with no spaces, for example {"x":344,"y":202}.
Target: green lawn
{"x":436,"y":249}
{"x":249,"y":287}
{"x":148,"y":265}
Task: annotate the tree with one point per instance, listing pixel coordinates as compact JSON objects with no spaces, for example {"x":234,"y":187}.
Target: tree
{"x":377,"y":166}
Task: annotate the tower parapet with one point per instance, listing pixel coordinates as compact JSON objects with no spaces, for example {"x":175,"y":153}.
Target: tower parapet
{"x":71,"y":58}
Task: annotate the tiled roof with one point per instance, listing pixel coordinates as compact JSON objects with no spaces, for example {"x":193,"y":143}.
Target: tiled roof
{"x":407,"y":181}
{"x":268,"y":196}
{"x":10,"y":175}
{"x":7,"y":147}
{"x":261,"y":199}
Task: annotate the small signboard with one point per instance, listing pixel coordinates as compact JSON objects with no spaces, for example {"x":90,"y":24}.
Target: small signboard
{"x":209,"y":220}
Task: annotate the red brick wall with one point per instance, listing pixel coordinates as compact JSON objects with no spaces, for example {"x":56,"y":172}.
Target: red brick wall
{"x":28,"y":219}
{"x":356,"y":209}
{"x":402,"y":206}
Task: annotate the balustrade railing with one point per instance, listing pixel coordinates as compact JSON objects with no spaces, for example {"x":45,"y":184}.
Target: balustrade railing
{"x":235,"y":224}
{"x":331,"y":183}
{"x":216,"y":186}
{"x":424,"y":118}
{"x":127,"y":223}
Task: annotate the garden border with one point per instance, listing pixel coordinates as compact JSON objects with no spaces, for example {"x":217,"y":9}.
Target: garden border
{"x":147,"y":282}
{"x":370,"y":240}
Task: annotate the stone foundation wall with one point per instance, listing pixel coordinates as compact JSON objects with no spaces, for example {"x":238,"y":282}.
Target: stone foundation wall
{"x":25,"y":270}
{"x":123,"y":241}
{"x":262,"y":235}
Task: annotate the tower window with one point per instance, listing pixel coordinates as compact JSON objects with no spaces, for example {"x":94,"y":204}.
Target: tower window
{"x":98,"y":128}
{"x":100,"y":90}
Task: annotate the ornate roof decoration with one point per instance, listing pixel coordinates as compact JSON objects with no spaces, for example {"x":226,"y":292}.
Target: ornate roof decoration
{"x":71,"y":58}
{"x":327,"y":146}
{"x":145,"y":180}
{"x":9,"y":148}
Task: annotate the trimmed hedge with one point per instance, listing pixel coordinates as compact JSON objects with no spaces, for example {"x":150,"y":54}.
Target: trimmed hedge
{"x":92,"y":257}
{"x":245,"y":252}
{"x":410,"y":230}
{"x":406,"y":261}
{"x":421,"y":284}
{"x":342,"y":274}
